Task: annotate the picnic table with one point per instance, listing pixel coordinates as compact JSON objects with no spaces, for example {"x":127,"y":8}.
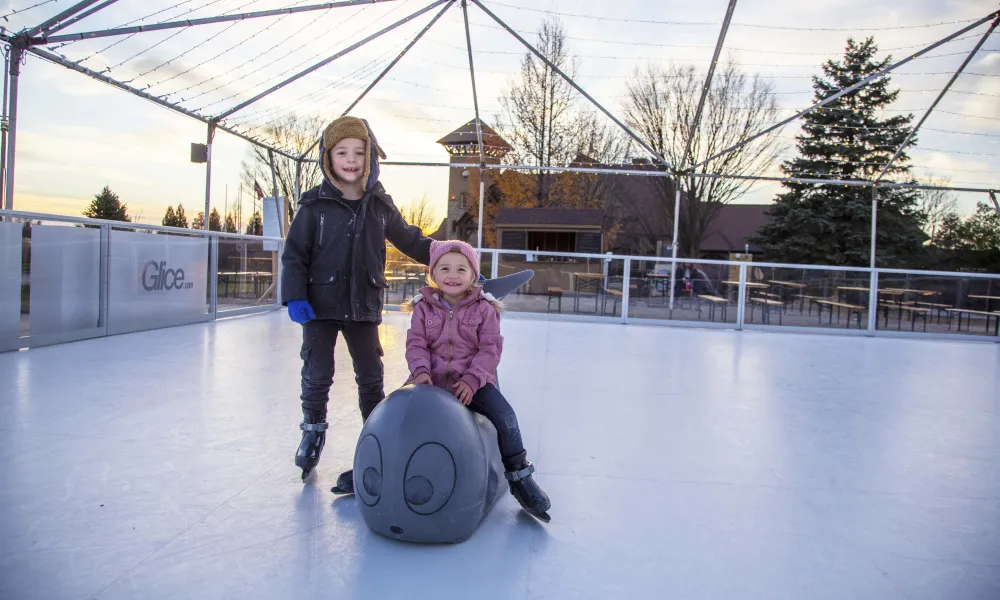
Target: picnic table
{"x":987,"y":298}
{"x":786,"y":286}
{"x":852,"y":309}
{"x":580,"y":281}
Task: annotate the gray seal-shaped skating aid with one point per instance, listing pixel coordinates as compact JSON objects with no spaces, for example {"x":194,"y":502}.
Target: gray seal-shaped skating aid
{"x":426,"y":469}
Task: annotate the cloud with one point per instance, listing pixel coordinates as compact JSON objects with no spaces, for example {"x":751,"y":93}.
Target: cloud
{"x":986,"y":105}
{"x":75,"y":144}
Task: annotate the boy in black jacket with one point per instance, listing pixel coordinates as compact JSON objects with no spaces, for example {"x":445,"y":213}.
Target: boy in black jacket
{"x":333,"y":276}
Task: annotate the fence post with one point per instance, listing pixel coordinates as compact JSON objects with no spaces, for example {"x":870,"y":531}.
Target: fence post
{"x":105,"y":289}
{"x":741,"y":298}
{"x":626,"y":280}
{"x":495,"y":264}
{"x":213,"y":276}
{"x":277,"y":276}
{"x":872,"y":302}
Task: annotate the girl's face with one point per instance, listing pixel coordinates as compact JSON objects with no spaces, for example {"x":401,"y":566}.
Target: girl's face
{"x":348,"y":158}
{"x":453,"y":274}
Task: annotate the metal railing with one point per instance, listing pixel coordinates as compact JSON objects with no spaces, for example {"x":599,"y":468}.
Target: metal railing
{"x":724,"y":294}
{"x":80,"y":278}
{"x":908,"y":303}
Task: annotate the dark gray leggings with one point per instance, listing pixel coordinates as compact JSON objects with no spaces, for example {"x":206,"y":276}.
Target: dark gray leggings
{"x":490,"y":403}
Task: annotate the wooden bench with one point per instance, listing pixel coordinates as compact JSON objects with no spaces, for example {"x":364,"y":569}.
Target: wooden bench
{"x":852,"y":309}
{"x":935,"y":306}
{"x":812,"y":300}
{"x":555,"y":293}
{"x":969,"y":313}
{"x":916,"y":312}
{"x":713,"y":302}
{"x":909,"y":308}
{"x":767,"y":295}
{"x":616,"y":295}
{"x":766,"y":307}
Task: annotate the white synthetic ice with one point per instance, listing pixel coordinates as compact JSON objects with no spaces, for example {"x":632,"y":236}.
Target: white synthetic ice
{"x":681,"y":463}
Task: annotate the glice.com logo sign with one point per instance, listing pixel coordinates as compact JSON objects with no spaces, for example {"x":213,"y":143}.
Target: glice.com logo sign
{"x":157,"y":277}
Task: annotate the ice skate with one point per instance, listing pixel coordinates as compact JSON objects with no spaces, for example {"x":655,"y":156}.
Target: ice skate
{"x":311,"y":446}
{"x":531,"y":497}
{"x":345,"y":483}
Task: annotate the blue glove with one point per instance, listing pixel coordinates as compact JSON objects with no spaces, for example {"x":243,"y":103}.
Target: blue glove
{"x":300,"y":311}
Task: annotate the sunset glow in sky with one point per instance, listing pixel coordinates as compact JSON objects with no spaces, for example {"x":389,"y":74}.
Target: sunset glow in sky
{"x":75,"y":135}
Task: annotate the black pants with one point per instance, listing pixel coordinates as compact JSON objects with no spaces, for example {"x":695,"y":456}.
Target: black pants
{"x":318,"y":341}
{"x":490,"y":403}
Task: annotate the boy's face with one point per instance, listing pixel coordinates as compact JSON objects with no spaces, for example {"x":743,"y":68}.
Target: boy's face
{"x":453,"y":274}
{"x":348,"y":158}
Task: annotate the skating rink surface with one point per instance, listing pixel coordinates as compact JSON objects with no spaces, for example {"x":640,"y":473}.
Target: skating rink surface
{"x":681,"y":464}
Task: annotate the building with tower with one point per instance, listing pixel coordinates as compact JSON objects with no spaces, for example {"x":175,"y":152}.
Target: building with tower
{"x":463,"y":184}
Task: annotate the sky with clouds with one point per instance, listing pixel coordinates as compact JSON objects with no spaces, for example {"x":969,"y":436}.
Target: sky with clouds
{"x":75,"y":135}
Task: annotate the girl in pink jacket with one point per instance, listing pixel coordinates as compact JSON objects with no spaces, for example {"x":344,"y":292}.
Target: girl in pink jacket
{"x":454,"y":343}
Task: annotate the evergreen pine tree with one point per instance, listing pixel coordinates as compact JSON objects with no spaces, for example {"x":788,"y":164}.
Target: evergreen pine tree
{"x":106,"y":205}
{"x":230,"y":224}
{"x":847,"y":139}
{"x":199,"y":221}
{"x":256,"y":225}
{"x":170,"y":218}
{"x":182,"y":220}
{"x":215,"y":221}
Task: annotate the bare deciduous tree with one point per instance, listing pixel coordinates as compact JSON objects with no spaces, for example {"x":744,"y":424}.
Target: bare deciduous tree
{"x":541,"y":119}
{"x":660,"y":107}
{"x":936,"y":205}
{"x":421,"y":214}
{"x":294,"y":133}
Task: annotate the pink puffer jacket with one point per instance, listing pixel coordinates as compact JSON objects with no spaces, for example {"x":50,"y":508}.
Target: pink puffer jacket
{"x":452,"y":345}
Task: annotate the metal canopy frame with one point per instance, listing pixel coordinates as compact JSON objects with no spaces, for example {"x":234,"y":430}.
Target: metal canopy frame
{"x":28,"y":41}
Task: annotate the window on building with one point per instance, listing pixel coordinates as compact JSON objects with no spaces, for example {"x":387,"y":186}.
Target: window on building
{"x":552,"y":241}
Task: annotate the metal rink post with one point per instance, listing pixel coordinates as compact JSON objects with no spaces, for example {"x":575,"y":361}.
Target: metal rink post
{"x":626,"y":279}
{"x":208,"y":171}
{"x":213,"y":276}
{"x":673,"y":244}
{"x":872,"y":302}
{"x":741,"y":298}
{"x":105,"y":290}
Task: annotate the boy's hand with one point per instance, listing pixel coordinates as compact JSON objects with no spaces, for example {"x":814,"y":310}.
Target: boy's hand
{"x":300,"y":311}
{"x":463,"y":392}
{"x":423,"y":378}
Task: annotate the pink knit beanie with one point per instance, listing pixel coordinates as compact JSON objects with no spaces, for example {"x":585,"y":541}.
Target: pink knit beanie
{"x":439,"y":249}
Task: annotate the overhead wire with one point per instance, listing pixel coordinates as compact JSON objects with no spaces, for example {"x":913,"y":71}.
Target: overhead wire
{"x":348,"y":81}
{"x":254,"y":58}
{"x":734,"y":23}
{"x":312,"y":58}
{"x":22,"y":10}
{"x":220,"y":54}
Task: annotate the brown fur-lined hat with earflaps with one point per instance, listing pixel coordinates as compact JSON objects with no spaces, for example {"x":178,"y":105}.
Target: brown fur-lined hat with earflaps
{"x":350,"y":127}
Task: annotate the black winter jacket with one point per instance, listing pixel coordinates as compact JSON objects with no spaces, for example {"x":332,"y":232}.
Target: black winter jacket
{"x":336,"y":259}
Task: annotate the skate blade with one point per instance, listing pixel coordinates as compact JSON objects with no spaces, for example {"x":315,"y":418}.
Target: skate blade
{"x":542,"y":515}
{"x":340,"y":491}
{"x":306,"y":473}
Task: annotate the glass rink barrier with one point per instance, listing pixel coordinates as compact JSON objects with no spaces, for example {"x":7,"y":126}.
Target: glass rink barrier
{"x":752,"y":295}
{"x":65,"y":278}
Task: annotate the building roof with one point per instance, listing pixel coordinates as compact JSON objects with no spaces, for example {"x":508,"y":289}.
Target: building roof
{"x":465,"y":136}
{"x":733,"y":225}
{"x":441,"y":233}
{"x":584,"y":161}
{"x":564,"y":217}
